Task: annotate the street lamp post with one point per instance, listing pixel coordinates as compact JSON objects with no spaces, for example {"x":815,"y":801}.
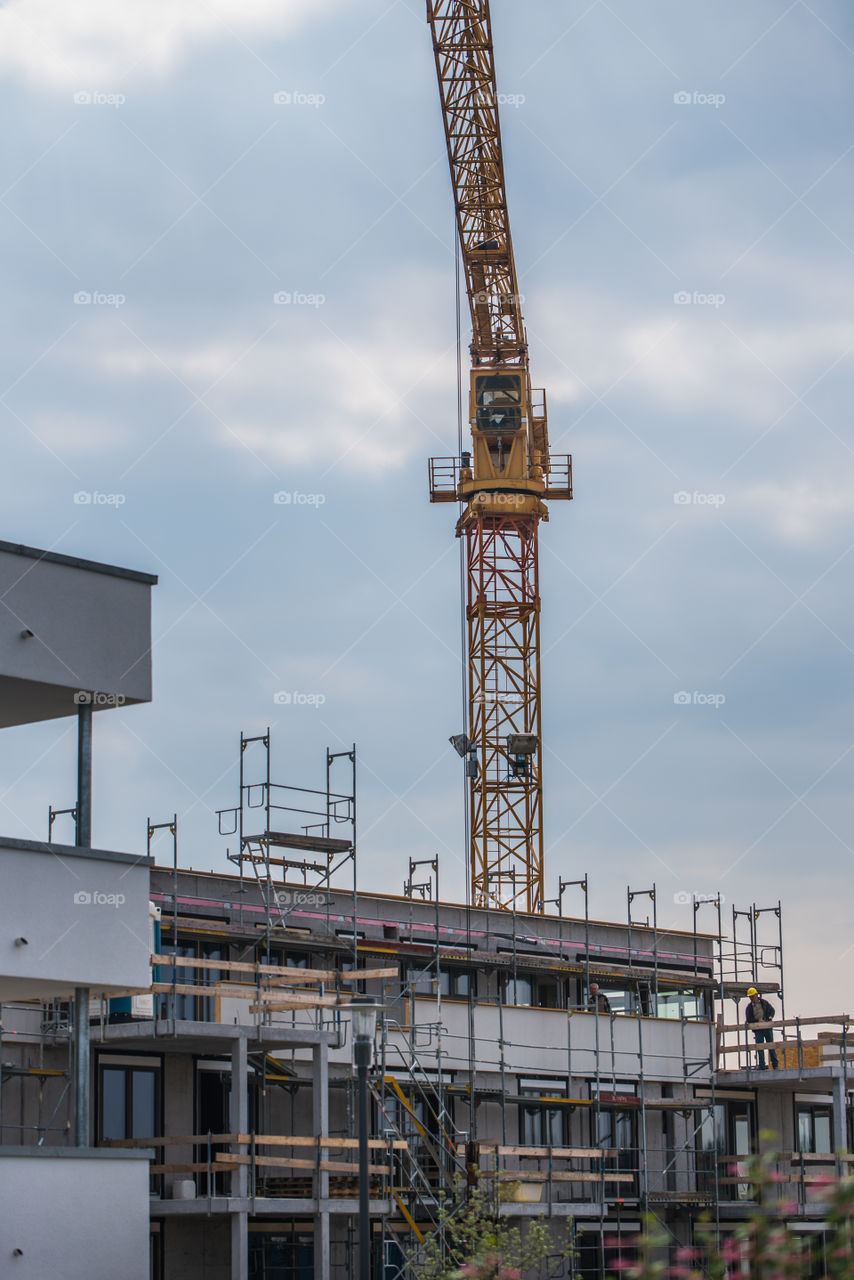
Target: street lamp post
{"x":364,"y":1012}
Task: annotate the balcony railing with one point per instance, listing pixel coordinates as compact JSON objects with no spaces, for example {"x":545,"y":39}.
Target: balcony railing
{"x":737,"y":1050}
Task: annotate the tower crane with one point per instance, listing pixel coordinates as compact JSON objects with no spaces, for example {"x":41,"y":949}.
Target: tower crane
{"x":502,"y":483}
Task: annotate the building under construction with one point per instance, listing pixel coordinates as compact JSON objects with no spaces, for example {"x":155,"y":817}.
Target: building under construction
{"x":178,"y":1095}
{"x":178,"y":1098}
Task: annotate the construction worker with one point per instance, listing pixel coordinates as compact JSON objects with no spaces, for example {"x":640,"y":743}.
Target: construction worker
{"x":598,"y":999}
{"x":759,"y":1010}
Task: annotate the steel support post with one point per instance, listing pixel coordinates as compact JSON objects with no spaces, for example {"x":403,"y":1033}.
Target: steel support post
{"x":363,"y":1056}
{"x":80,"y":1030}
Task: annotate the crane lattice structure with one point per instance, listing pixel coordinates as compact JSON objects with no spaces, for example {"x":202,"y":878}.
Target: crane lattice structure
{"x":501,"y":484}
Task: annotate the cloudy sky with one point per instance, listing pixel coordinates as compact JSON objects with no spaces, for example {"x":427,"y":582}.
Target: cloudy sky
{"x":680,"y":186}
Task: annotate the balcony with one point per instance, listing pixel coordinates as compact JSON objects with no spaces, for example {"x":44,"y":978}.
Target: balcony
{"x":71,"y":918}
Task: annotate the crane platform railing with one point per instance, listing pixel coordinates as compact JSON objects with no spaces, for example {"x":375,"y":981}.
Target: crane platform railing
{"x":444,"y":478}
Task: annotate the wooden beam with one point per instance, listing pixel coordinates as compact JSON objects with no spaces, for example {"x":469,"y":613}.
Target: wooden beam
{"x":266,"y":1140}
{"x":284,"y":1162}
{"x":841,"y":1018}
{"x":542,"y":1175}
{"x":291,"y":972}
{"x":559,"y":1153}
{"x":773,"y":1045}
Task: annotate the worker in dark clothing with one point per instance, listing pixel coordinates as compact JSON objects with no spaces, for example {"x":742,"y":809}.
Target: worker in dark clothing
{"x":759,"y":1010}
{"x":598,"y":999}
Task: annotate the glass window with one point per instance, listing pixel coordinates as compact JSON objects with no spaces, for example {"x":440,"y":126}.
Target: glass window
{"x":128,"y":1102}
{"x":724,"y":1136}
{"x":113,"y":1103}
{"x":518,"y":991}
{"x":815,"y":1127}
{"x":543,"y":1125}
{"x":681,"y":1004}
{"x":535,"y":991}
{"x":616,"y":1126}
{"x":143,"y":1104}
{"x":461,"y":984}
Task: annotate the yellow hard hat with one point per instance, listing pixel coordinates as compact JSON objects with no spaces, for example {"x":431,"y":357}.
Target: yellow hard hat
{"x":751,"y":991}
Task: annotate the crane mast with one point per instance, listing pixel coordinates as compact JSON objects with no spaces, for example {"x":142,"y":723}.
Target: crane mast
{"x":502,"y":483}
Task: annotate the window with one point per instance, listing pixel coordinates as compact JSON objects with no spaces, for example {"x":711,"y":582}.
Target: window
{"x":622,"y":999}
{"x":129,"y":1101}
{"x":129,"y":1098}
{"x":681,"y":1004}
{"x":614,"y":1124}
{"x":534,"y":991}
{"x":543,"y":1124}
{"x":814,"y":1126}
{"x":187,"y":1007}
{"x":455,"y":984}
{"x":725,"y":1139}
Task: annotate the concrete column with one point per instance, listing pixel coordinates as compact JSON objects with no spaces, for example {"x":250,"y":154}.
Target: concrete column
{"x":238,"y":1119}
{"x":320,"y":1107}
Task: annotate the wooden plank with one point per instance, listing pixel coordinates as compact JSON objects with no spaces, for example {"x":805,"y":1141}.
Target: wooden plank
{"x":308,"y":844}
{"x":291,"y":972}
{"x":776,"y":1045}
{"x":183,"y":1140}
{"x":542,"y":1175}
{"x":345,"y":1144}
{"x":559,"y":1153}
{"x":841,"y":1018}
{"x":247,"y":966}
{"x":244,"y":1139}
{"x":291,"y":1006}
{"x":293,"y":1162}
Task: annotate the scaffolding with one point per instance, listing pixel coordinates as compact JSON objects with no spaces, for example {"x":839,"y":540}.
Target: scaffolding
{"x":617,"y":1115}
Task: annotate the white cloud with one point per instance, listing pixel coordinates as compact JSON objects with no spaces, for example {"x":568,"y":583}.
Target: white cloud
{"x":93,"y":44}
{"x":806,"y":512}
{"x":323,"y":402}
{"x":687,"y":358}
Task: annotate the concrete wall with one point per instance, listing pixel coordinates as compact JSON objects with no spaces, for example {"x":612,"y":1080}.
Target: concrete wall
{"x":91,"y":628}
{"x":83,"y":913}
{"x":95,"y":1206}
{"x":536,"y":1041}
{"x":196,"y":1248}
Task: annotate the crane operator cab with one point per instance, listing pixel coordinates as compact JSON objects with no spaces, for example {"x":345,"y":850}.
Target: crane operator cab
{"x":498,"y":403}
{"x":498,"y":414}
